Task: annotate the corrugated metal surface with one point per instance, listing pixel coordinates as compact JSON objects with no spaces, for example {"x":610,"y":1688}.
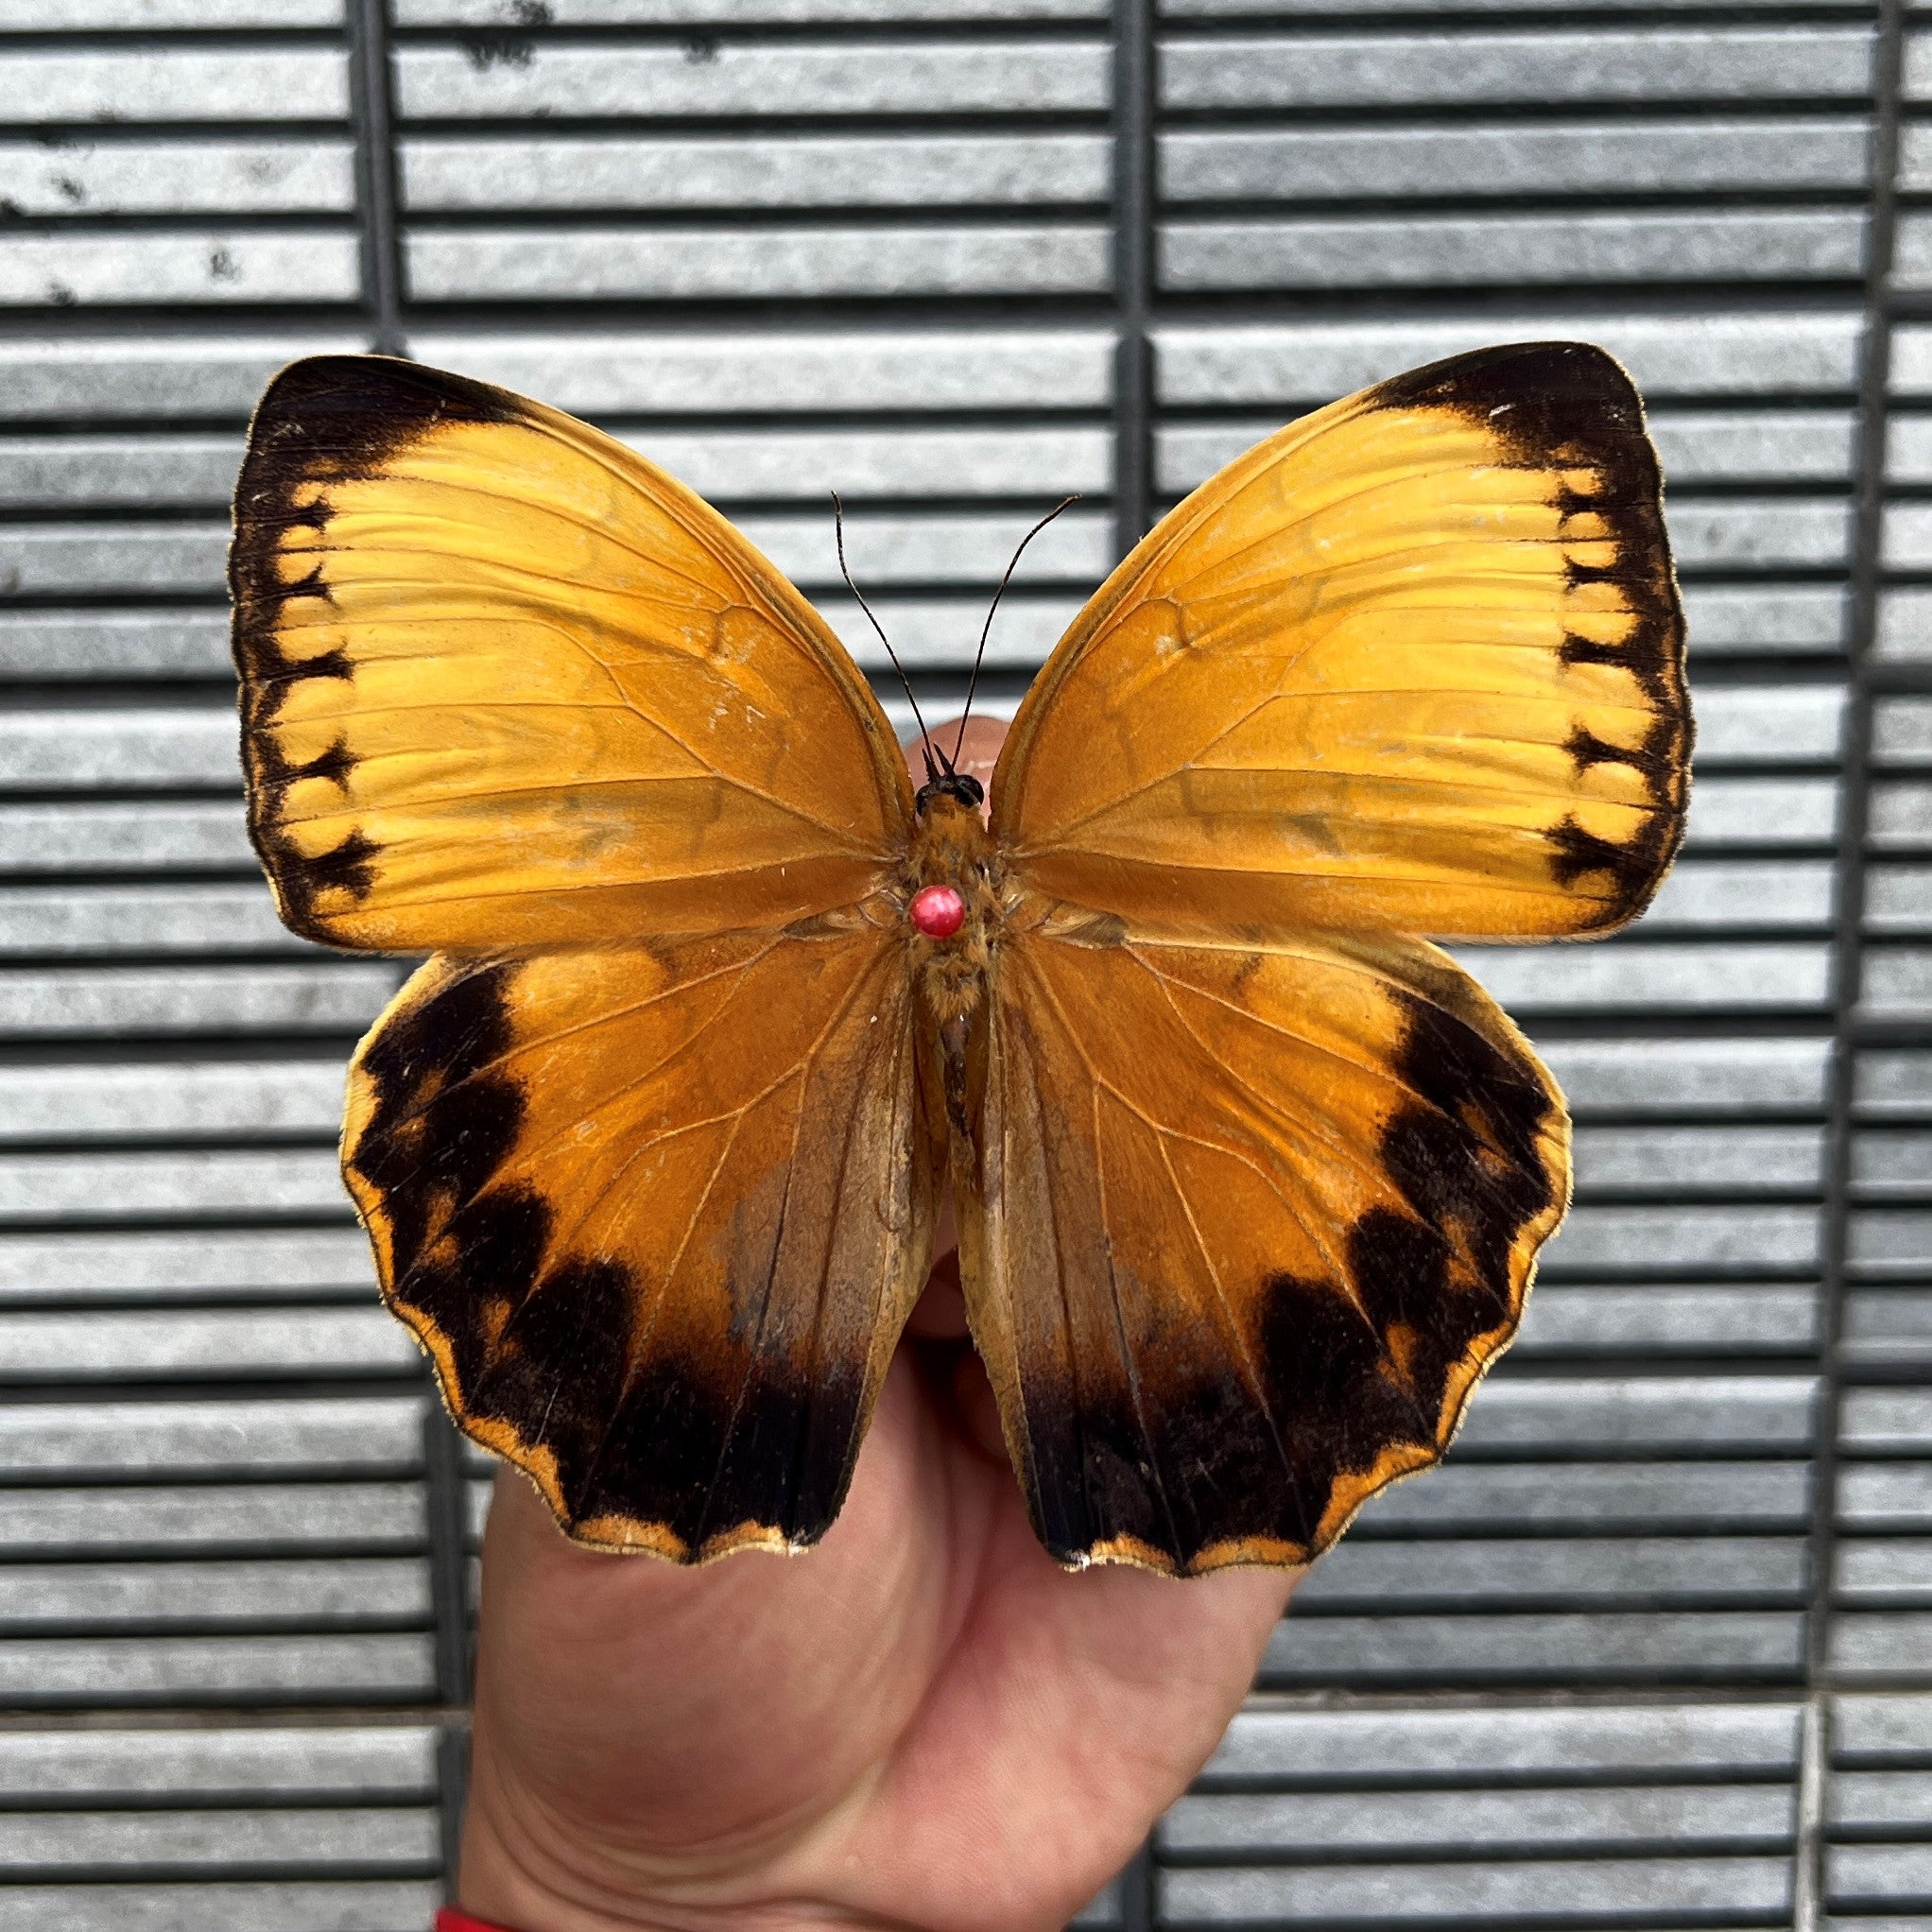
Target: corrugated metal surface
{"x":1656,"y":1649}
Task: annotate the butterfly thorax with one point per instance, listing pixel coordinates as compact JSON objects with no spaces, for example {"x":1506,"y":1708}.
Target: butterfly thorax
{"x":950,"y":847}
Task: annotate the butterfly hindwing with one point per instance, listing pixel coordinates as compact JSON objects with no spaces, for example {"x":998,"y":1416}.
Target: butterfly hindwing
{"x":1250,"y":1220}
{"x":504,"y":684}
{"x":658,"y":1215}
{"x":1414,"y":664}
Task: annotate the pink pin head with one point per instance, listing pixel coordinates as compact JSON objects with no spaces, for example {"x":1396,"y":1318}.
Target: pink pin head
{"x":937,"y":911}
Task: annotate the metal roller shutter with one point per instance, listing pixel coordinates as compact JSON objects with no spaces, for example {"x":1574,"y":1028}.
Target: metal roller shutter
{"x":1655,"y":1649}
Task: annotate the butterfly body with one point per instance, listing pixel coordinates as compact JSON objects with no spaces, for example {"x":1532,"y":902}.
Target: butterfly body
{"x":1251,"y":1177}
{"x":953,"y":854}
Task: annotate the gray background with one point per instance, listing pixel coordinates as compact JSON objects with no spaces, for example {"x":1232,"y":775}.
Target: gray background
{"x":1655,"y":1649}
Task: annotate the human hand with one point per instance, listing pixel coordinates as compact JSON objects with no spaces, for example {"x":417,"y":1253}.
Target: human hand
{"x":923,"y":1722}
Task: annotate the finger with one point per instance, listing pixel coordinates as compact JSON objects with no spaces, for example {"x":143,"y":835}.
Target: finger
{"x":977,"y":1409}
{"x":940,"y":1314}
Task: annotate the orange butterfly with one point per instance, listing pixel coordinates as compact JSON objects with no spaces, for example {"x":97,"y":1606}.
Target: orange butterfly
{"x":651,"y":1152}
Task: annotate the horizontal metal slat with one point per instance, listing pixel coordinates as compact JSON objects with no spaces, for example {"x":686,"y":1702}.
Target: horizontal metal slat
{"x":1585,"y":1571}
{"x":88,"y":1187}
{"x":1876,"y":1570}
{"x":724,"y":372}
{"x":96,"y":16}
{"x":1034,"y":461}
{"x":1917,"y":74}
{"x":66,"y":559}
{"x":1658,"y":979}
{"x":1897,"y":1081}
{"x":199,"y":1099}
{"x":302,"y":1592}
{"x":144,"y":470}
{"x":1642,"y":1412}
{"x":388,"y":1761}
{"x":1590,"y":1496}
{"x":1709,"y":895}
{"x":122,"y":750}
{"x":737,"y":12}
{"x":1284,"y":1824}
{"x":1899,"y":815}
{"x":1476,"y":1744}
{"x":160,"y":82}
{"x":1886,"y":1419}
{"x":1902,"y":731}
{"x":1912,"y":252}
{"x":1882,"y":1646}
{"x":1759,"y":619}
{"x":257,"y":1261}
{"x":1896,"y":982}
{"x":1892,"y":1241}
{"x":313,"y":1668}
{"x":101,"y":921}
{"x":1534,"y":68}
{"x":146,"y":266}
{"x":1872,"y":1494}
{"x":1691,"y":354}
{"x":287,"y":1433}
{"x":1387,"y":1649}
{"x":163,"y":377}
{"x":207,"y":176}
{"x":1731,"y":1159}
{"x":1603,"y":1239}
{"x":1894,"y":1727}
{"x":1191,"y":10}
{"x":1770,"y":725}
{"x":554,"y":264}
{"x":79,"y":644}
{"x":1714,"y":1319}
{"x":80,"y":1002}
{"x":267,"y":1517}
{"x":855,"y":77}
{"x":1551,"y":1889}
{"x":1472,"y":250}
{"x":1696,"y":1076}
{"x":1894,"y":1161}
{"x":359,"y":1836}
{"x":367,"y":1905}
{"x":1889,"y":1324}
{"x":156,"y":835}
{"x":1541,"y":159}
{"x":249,"y":1344}
{"x":497,"y":174}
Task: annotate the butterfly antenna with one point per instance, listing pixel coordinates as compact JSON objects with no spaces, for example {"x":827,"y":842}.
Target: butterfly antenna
{"x":986,"y":629}
{"x":926,"y":747}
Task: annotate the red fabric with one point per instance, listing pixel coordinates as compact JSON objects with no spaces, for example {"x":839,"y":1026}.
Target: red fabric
{"x":450,"y":1920}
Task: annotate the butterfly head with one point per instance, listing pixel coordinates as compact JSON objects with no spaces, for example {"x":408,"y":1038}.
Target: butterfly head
{"x":948,"y":784}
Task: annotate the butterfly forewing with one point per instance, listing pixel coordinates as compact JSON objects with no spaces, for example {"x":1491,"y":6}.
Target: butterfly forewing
{"x":1414,"y":664}
{"x":506,"y":683}
{"x":1252,"y":1220}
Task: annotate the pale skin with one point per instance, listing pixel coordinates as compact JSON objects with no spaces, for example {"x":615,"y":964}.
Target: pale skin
{"x":923,"y":1722}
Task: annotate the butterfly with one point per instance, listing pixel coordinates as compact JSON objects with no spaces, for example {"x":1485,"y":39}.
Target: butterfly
{"x":1250,"y":1182}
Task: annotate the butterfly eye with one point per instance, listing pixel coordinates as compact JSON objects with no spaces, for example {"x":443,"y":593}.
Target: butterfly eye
{"x":937,"y":911}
